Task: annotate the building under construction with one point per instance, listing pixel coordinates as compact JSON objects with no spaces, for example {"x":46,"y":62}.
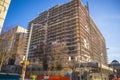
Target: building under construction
{"x":71,"y":24}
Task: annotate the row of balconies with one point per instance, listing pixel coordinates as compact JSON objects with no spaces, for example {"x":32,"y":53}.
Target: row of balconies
{"x":36,"y":41}
{"x":62,"y":8}
{"x":59,"y":12}
{"x":61,"y":32}
{"x":63,"y":14}
{"x":37,"y":35}
{"x":84,"y":34}
{"x":40,"y":20}
{"x":63,"y":36}
{"x":58,"y":33}
{"x":63,"y":27}
{"x":40,"y":33}
{"x":40,"y":27}
{"x":70,"y":21}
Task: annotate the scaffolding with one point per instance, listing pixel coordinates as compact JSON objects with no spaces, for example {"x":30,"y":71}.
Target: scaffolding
{"x":72,"y":24}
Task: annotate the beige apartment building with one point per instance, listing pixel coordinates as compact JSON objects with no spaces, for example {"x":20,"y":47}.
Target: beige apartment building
{"x":14,"y":41}
{"x":69,"y":23}
{"x":4,"y":5}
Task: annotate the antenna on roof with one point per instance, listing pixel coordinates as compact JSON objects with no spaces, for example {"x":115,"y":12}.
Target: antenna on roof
{"x":87,"y":6}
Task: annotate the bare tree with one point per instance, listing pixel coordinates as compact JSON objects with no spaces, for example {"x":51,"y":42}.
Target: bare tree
{"x":58,"y":55}
{"x":52,"y":56}
{"x":4,"y":55}
{"x":12,"y":45}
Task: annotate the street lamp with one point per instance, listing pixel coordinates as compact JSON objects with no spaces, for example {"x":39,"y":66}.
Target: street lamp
{"x":28,"y":46}
{"x":101,"y":66}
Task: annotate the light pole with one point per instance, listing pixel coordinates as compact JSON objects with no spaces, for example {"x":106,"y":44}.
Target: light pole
{"x":28,"y":46}
{"x":101,"y":66}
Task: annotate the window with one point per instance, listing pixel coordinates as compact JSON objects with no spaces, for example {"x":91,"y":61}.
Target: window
{"x":0,"y":11}
{"x":5,"y":44}
{"x":86,"y":28}
{"x":4,"y":9}
{"x":86,"y":43}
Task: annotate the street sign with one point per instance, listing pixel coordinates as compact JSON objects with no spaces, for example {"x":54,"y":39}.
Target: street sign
{"x":27,"y":63}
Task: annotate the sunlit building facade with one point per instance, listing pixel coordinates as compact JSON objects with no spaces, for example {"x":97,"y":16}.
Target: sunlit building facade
{"x":4,"y":5}
{"x":72,"y":24}
{"x":14,"y":41}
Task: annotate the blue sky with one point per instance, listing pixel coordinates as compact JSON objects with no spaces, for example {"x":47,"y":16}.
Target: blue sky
{"x":105,"y":13}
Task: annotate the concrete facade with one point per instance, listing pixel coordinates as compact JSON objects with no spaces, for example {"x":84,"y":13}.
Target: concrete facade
{"x":14,"y":43}
{"x":4,"y":5}
{"x":72,"y":24}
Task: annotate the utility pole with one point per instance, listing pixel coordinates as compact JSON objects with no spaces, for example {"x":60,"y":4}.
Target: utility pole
{"x":101,"y":66}
{"x":26,"y":56}
{"x":27,"y":51}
